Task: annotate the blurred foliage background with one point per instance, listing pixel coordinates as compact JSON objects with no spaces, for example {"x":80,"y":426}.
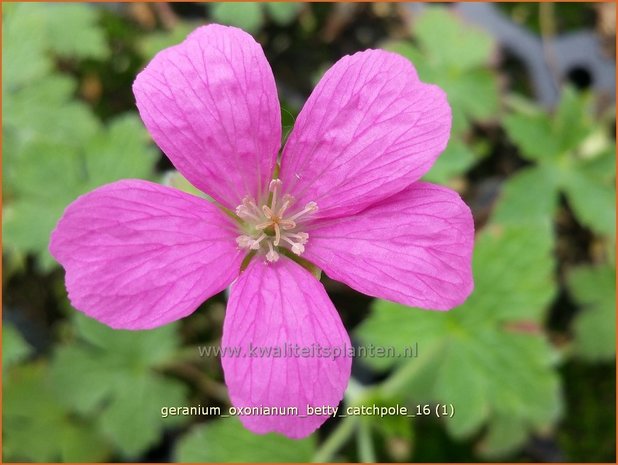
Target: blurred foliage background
{"x":527,"y":361}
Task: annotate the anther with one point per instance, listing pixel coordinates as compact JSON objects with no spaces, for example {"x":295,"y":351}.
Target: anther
{"x":243,"y":212}
{"x":309,"y":208}
{"x":268,"y":213}
{"x":266,"y":227}
{"x":256,"y":243}
{"x":248,"y":209}
{"x":274,"y":187}
{"x":271,"y":255}
{"x":287,"y":201}
{"x":298,"y":248}
{"x":302,"y":237}
{"x":244,"y":241}
{"x":287,"y":224}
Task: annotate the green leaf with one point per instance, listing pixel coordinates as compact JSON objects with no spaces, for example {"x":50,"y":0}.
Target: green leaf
{"x":83,"y":443}
{"x":245,"y":15}
{"x":472,"y":404}
{"x":122,"y":150}
{"x":132,"y":420}
{"x":14,"y":347}
{"x":157,"y":41}
{"x":531,"y":195}
{"x":73,"y":30}
{"x":79,"y":380}
{"x":409,"y":51}
{"x":570,"y":133}
{"x":226,"y":440}
{"x":572,"y":121}
{"x":473,"y":96}
{"x":532,"y":134}
{"x":112,"y":373}
{"x":176,"y":180}
{"x":590,"y":190}
{"x":24,"y":57}
{"x":456,"y":57}
{"x":513,"y":273}
{"x":283,"y":13}
{"x":493,"y":359}
{"x":504,"y":437}
{"x":47,"y":175}
{"x":43,"y":127}
{"x":594,"y":289}
{"x":54,"y":89}
{"x":38,"y":428}
{"x":594,"y":204}
{"x":42,"y":112}
{"x":133,"y":349}
{"x":450,"y":42}
{"x":27,"y":224}
{"x":598,"y":161}
{"x":575,"y":155}
{"x":454,"y":161}
{"x":32,"y":30}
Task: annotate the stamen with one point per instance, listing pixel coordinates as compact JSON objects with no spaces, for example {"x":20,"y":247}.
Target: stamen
{"x":244,"y":241}
{"x":248,"y":209}
{"x":266,"y":223}
{"x":301,"y":236}
{"x":268,"y":213}
{"x":297,"y":247}
{"x":249,"y":202}
{"x":243,"y":213}
{"x":309,"y":208}
{"x":287,"y":201}
{"x":256,"y":243}
{"x":271,"y":256}
{"x":274,"y":187}
{"x":287,"y":224}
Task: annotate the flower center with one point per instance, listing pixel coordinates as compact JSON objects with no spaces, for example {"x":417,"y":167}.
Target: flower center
{"x":270,"y":226}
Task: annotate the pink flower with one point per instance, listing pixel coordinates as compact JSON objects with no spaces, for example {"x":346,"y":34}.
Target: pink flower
{"x":346,"y":198}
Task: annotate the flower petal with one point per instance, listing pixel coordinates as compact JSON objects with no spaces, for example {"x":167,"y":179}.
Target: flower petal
{"x":369,"y":129}
{"x":414,"y":248}
{"x":139,"y":255}
{"x":281,"y":305}
{"x":211,"y":104}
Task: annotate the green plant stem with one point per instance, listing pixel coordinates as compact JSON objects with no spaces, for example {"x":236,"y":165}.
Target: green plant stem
{"x":185,"y":354}
{"x":336,"y":440}
{"x":389,"y":388}
{"x":547,"y":20}
{"x":200,"y":380}
{"x":366,"y":451}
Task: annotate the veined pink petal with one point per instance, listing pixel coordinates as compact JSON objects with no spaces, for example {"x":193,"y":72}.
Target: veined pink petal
{"x":369,"y":129}
{"x":211,"y":104}
{"x":414,"y":248}
{"x":282,"y":305}
{"x":139,"y":255}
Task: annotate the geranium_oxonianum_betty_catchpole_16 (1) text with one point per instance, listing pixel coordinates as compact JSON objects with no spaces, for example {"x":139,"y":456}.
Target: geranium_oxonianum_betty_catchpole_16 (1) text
{"x":343,"y":196}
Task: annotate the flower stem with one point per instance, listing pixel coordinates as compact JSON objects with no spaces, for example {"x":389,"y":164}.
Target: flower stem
{"x":366,"y":451}
{"x":200,"y":380}
{"x":345,"y":429}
